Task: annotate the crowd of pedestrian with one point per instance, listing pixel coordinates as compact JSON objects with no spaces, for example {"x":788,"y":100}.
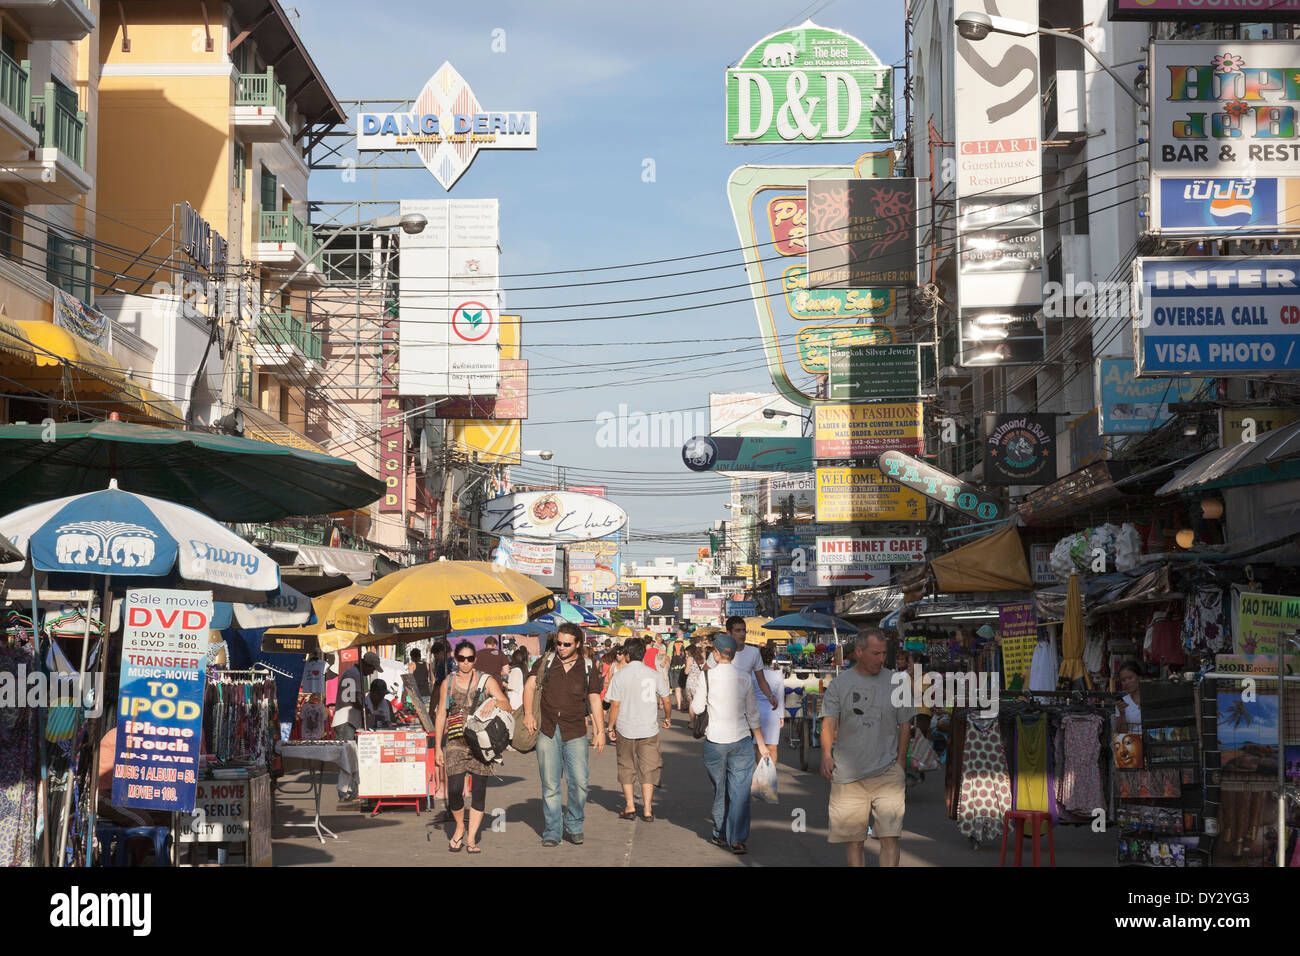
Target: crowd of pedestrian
{"x":576,"y":696}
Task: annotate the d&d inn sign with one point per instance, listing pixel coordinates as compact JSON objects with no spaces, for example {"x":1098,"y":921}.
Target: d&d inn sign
{"x":810,"y":85}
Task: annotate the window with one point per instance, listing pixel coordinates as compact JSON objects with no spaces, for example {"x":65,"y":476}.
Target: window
{"x":67,"y":265}
{"x":241,"y":166}
{"x":10,"y":229}
{"x":270,"y":191}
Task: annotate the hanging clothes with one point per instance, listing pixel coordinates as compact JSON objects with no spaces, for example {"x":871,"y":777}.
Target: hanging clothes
{"x":985,"y":784}
{"x":1044,"y":666}
{"x":1079,"y":783}
{"x":1205,"y":627}
{"x":1163,"y":644}
{"x":1033,"y":772}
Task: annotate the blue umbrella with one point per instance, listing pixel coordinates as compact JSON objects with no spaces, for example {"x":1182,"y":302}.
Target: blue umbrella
{"x":287,"y":607}
{"x":814,"y":622}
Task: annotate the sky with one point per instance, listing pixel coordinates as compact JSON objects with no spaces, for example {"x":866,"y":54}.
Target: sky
{"x":631,"y":168}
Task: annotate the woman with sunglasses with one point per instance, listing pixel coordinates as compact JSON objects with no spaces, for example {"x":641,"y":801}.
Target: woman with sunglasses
{"x":464,"y":690}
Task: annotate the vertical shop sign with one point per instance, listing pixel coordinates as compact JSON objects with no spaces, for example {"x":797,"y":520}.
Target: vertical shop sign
{"x":392,"y":432}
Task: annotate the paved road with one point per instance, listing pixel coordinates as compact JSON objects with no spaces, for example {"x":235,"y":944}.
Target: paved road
{"x":792,"y":833}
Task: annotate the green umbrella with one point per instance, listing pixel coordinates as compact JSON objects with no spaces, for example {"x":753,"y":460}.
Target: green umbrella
{"x":226,"y":478}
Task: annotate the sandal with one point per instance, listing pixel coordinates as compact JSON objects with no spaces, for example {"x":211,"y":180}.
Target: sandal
{"x":648,"y":818}
{"x":455,"y":846}
{"x":627,"y":815}
{"x":473,"y":848}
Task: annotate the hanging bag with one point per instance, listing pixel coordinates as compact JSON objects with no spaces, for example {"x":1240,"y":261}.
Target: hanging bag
{"x":700,"y":721}
{"x":456,"y":722}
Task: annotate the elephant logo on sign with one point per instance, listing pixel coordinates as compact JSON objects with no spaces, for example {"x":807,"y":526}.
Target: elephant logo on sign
{"x":133,"y":552}
{"x":779,"y":54}
{"x":77,"y":548}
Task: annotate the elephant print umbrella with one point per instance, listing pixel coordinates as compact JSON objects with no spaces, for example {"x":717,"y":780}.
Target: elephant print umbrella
{"x":118,"y":533}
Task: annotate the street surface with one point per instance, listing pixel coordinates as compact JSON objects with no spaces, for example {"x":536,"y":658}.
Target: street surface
{"x":677,"y":837}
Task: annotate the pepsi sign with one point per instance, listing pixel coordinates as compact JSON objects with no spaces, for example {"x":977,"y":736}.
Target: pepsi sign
{"x":1239,"y":205}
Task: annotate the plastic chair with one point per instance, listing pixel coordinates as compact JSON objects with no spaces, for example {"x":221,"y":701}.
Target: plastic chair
{"x":123,"y":836}
{"x":1035,"y":819}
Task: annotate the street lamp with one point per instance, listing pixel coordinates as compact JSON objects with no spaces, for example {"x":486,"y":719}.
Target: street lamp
{"x":975,"y":26}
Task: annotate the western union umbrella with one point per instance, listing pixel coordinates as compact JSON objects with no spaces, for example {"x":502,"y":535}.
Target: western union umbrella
{"x":1072,"y":635}
{"x":429,"y":600}
{"x":325,"y":606}
{"x":227,"y":478}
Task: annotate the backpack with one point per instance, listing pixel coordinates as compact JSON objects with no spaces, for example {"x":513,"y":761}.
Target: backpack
{"x":488,"y":738}
{"x":525,"y":740}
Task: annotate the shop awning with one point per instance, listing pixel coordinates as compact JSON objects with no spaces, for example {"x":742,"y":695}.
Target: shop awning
{"x":359,"y":566}
{"x":1273,"y":456}
{"x":50,"y":357}
{"x":869,"y":602}
{"x":263,"y":426}
{"x":995,"y":562}
{"x":1109,"y":592}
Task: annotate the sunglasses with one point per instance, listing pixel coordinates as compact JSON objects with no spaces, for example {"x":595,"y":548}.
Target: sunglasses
{"x":462,"y":657}
{"x":562,"y":644}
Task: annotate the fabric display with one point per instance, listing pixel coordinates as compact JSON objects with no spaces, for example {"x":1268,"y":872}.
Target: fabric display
{"x":19,"y":773}
{"x":241,"y":719}
{"x":1078,"y":749}
{"x":1205,"y":626}
{"x":1044,"y":666}
{"x":1033,"y":788}
{"x":985,"y":783}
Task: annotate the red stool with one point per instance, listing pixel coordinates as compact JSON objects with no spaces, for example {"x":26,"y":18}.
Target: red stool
{"x":1035,"y":819}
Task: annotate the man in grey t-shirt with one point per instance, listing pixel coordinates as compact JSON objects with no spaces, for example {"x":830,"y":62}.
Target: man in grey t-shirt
{"x":864,"y":749}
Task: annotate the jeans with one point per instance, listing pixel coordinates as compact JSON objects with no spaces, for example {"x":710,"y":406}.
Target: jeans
{"x":556,"y":756}
{"x":731,"y":769}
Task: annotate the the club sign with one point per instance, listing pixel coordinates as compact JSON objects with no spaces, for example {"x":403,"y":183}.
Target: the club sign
{"x":949,"y":490}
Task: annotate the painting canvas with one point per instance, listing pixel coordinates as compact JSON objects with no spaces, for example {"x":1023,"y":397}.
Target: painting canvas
{"x":1248,"y":733}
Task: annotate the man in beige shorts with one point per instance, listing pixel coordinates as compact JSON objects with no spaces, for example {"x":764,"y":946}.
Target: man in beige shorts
{"x":864,"y":750}
{"x":638,"y":698}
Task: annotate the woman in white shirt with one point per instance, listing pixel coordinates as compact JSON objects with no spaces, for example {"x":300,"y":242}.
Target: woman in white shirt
{"x":515,"y":682}
{"x":1129,"y":713}
{"x":773,"y":718}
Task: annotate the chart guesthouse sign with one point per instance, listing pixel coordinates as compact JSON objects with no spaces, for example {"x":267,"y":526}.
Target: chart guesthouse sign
{"x":447,"y":127}
{"x":810,"y":85}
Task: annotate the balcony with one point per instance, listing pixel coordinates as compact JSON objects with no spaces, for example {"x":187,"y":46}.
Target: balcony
{"x":261,"y":110}
{"x":284,"y":341}
{"x":49,"y":149}
{"x":282,"y":239}
{"x":53,"y":19}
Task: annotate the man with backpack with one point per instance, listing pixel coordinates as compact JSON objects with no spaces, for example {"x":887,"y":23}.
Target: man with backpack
{"x":562,"y":689}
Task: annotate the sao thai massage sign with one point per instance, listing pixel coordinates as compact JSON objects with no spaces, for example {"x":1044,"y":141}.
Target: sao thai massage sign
{"x":160,"y":698}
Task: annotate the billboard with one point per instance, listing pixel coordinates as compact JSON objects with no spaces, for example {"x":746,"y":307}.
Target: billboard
{"x":631,"y":595}
{"x":594,"y":566}
{"x":1003,"y":336}
{"x":809,"y":85}
{"x":526,"y":557}
{"x":446,"y":127}
{"x":1233,"y":428}
{"x":493,"y":441}
{"x":865,"y":494}
{"x":874,"y":371}
{"x":449,"y":335}
{"x":949,"y":490}
{"x":1202,"y":10}
{"x":800,"y":489}
{"x":1019,"y":449}
{"x":807,"y":304}
{"x":1224,"y":316}
{"x":1132,"y":405}
{"x":862,"y":431}
{"x":762,"y":455}
{"x":560,"y":516}
{"x":999,"y":165}
{"x":846,"y":550}
{"x":660,"y":602}
{"x":814,"y":343}
{"x":1222,"y":116}
{"x":862,"y":233}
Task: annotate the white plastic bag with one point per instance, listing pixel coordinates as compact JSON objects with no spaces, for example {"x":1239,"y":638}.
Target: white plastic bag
{"x":764,"y":783}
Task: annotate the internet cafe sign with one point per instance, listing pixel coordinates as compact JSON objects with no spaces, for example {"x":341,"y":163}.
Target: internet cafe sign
{"x":447,"y":127}
{"x":810,"y":85}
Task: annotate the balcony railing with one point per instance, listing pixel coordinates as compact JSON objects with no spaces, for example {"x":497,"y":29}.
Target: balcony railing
{"x":285,"y":328}
{"x":260,"y":89}
{"x":286,"y":227}
{"x":16,"y":85}
{"x":59,"y":126}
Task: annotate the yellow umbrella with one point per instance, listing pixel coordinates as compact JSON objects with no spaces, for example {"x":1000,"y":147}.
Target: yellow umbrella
{"x":1072,"y":635}
{"x":325,"y":605}
{"x":756,"y":634}
{"x":428,"y":600}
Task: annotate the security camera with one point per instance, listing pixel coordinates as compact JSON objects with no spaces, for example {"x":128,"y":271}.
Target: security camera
{"x":974,"y":26}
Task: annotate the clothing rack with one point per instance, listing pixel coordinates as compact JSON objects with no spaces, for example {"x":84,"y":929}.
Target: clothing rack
{"x":240,"y":726}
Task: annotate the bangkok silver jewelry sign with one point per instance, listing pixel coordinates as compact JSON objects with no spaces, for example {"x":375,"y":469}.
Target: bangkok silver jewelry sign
{"x":1223,"y":316}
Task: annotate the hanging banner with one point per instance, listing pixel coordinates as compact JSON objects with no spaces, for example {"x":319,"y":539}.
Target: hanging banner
{"x":1132,"y":405}
{"x":1017,"y":634}
{"x":1262,"y":619}
{"x":815,"y":342}
{"x":862,"y":233}
{"x":1222,"y":316}
{"x":1019,"y":449}
{"x":160,"y":698}
{"x":948,"y":490}
{"x":860,"y":372}
{"x":631,"y":595}
{"x":863,"y":431}
{"x":726,"y":453}
{"x":864,"y":494}
{"x":803,"y":303}
{"x":528,"y":557}
{"x":809,"y":85}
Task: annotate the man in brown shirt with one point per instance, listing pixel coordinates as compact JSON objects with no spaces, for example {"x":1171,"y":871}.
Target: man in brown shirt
{"x":570,"y":689}
{"x":490,"y":660}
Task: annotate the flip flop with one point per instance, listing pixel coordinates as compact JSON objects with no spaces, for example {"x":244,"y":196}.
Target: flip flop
{"x":473,"y":848}
{"x":649,"y":818}
{"x":455,"y":846}
{"x":627,"y":815}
